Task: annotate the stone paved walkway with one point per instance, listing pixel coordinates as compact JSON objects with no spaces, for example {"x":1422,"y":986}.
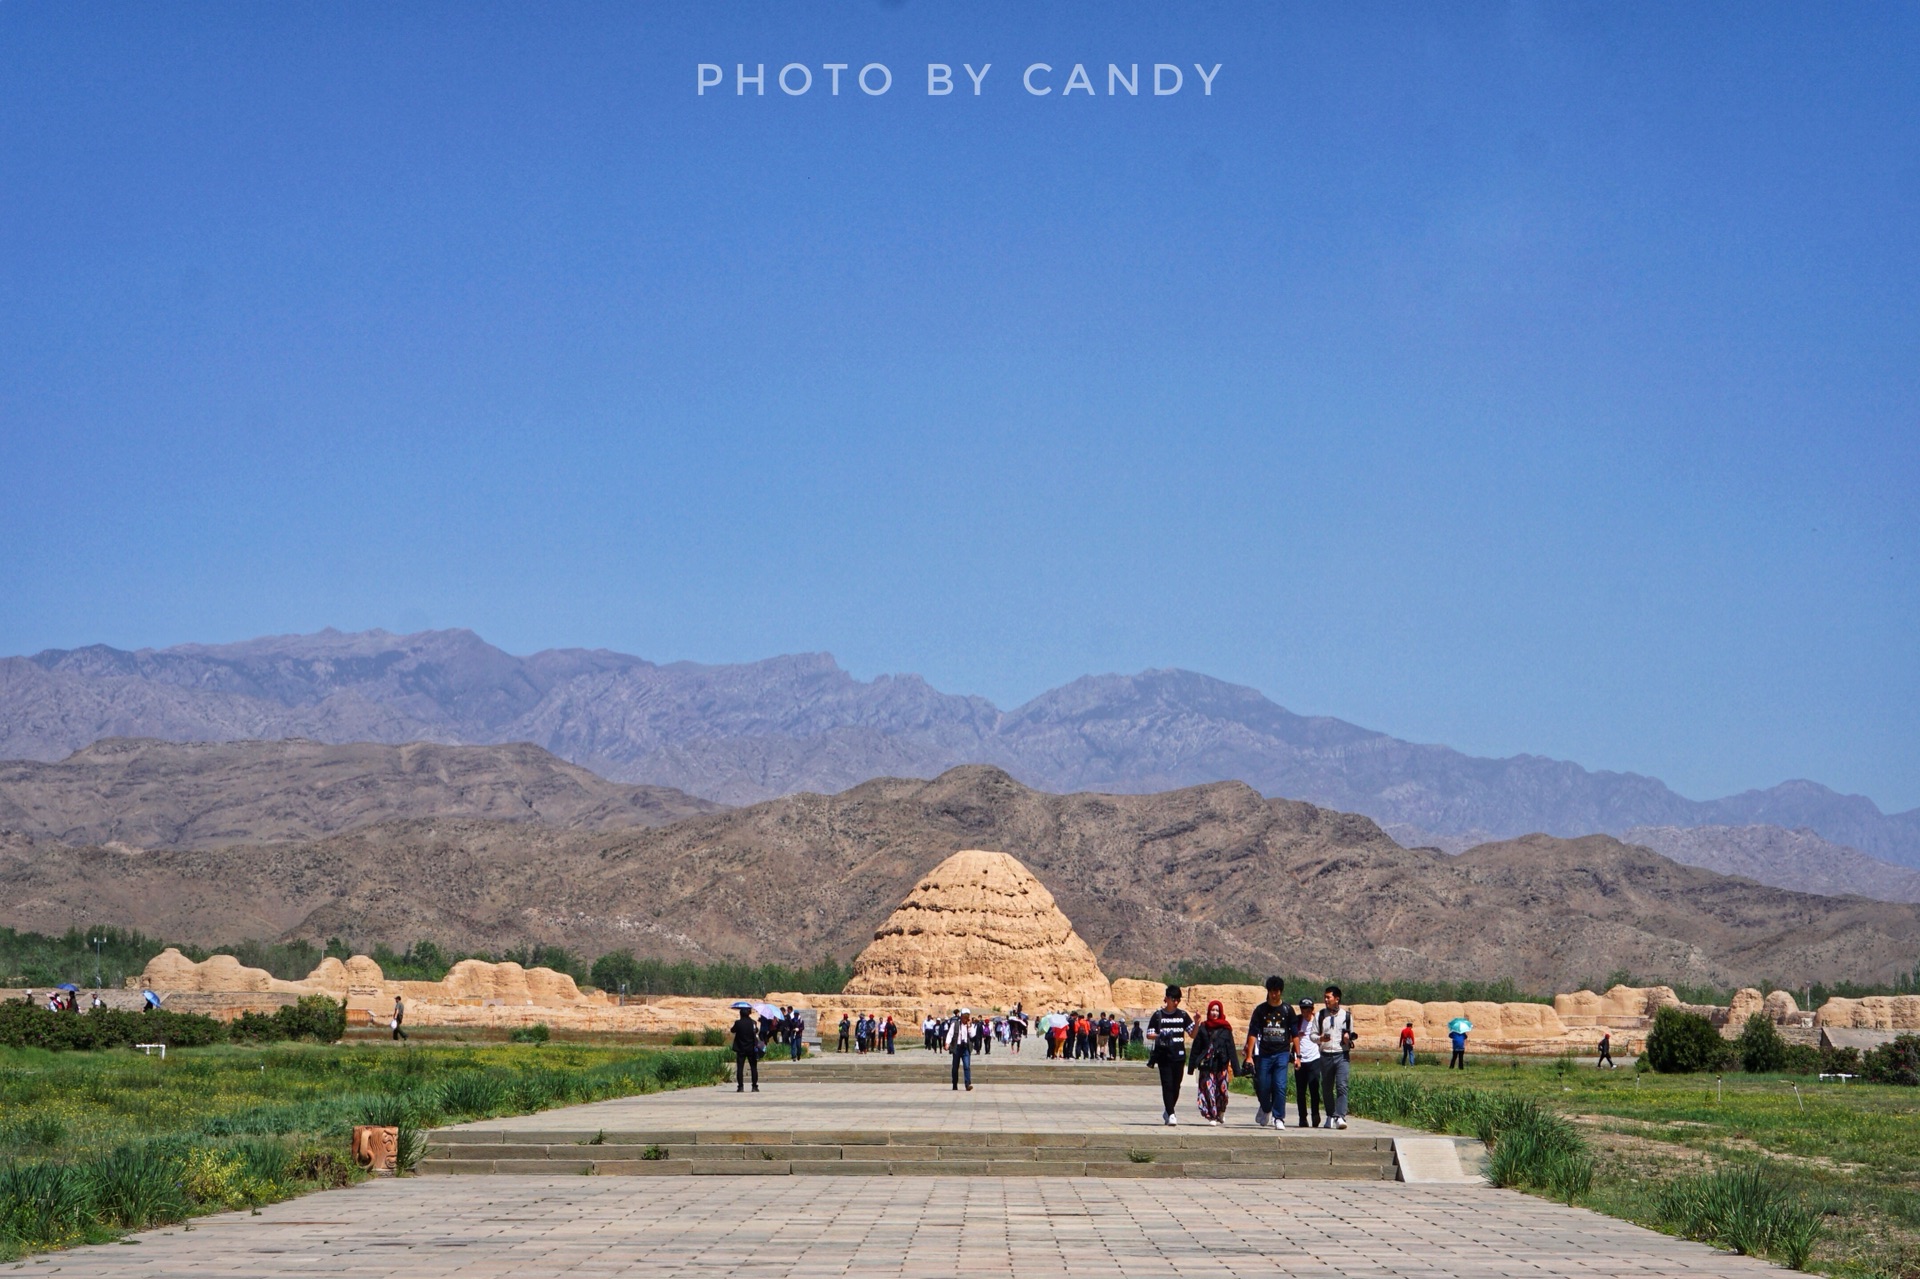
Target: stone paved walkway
{"x":929,"y":1228}
{"x":836,"y":1107}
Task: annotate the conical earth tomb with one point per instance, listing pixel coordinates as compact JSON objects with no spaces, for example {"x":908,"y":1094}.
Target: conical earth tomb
{"x":980,"y":930}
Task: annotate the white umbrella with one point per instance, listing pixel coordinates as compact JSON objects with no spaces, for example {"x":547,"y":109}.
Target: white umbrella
{"x":765,"y":1010}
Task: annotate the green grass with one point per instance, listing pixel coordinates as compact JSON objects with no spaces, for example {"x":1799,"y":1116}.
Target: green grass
{"x":92,"y":1143}
{"x":1824,"y":1178}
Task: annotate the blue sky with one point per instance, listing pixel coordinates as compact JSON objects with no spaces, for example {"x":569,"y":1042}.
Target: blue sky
{"x":1523,"y":377}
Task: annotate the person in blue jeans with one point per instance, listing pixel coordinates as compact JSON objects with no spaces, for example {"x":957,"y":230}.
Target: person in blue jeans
{"x":1269,"y":1050}
{"x":960,"y":1045}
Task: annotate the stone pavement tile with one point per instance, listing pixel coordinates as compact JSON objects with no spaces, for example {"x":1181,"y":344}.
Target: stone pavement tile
{"x":839,"y":1108}
{"x":582,"y":1227}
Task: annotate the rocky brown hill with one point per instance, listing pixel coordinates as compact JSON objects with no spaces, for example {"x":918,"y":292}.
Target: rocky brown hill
{"x":154,"y":794}
{"x":1212,"y":872}
{"x":1796,"y":859}
{"x":743,"y":733}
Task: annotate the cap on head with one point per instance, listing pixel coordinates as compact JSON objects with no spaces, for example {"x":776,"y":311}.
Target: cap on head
{"x":1306,"y":1001}
{"x":1173,"y":992}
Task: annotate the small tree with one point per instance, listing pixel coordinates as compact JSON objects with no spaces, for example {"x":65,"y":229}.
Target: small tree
{"x":1894,"y":1063}
{"x":1761,"y":1048}
{"x":1683,"y":1042}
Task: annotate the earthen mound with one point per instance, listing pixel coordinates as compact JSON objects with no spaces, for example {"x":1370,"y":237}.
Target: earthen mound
{"x":979,"y":929}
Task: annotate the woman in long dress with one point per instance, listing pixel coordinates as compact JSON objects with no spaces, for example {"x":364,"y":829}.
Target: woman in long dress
{"x":1211,"y":1058}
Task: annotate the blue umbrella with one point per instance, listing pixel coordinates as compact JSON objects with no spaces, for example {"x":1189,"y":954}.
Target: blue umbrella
{"x":1459,"y":1025}
{"x":67,"y":985}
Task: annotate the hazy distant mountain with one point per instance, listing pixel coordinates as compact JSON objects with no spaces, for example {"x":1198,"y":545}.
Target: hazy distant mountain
{"x":1796,"y":859}
{"x":1210,"y":873}
{"x":737,"y":734}
{"x":152,"y":794}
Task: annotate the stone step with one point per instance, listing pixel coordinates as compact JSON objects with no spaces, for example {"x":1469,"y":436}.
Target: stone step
{"x":1203,"y":1153}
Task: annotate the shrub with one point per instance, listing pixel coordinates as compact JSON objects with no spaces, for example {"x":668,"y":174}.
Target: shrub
{"x":1683,"y":1042}
{"x":139,"y":1186}
{"x":1840,"y":1061}
{"x":1744,"y":1210}
{"x":1801,"y":1059}
{"x":534,"y":1034}
{"x":712,"y":1037}
{"x":41,"y":1130}
{"x":472,"y":1092}
{"x":28,"y":1026}
{"x":1894,"y":1063}
{"x":685,"y":1039}
{"x":314,"y":1017}
{"x":1761,"y":1049}
{"x":43,"y":1202}
{"x":409,"y":1149}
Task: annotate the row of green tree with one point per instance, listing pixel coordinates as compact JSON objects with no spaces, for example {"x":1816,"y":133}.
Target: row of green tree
{"x":1683,"y":1043}
{"x":25,"y":1025}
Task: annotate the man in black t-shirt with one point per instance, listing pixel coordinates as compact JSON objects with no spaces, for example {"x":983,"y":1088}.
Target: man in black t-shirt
{"x":1270,"y":1033}
{"x":1168,"y":1030}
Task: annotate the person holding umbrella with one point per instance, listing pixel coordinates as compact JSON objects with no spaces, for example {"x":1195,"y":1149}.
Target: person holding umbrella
{"x":746,"y":1047}
{"x":1457,"y":1032}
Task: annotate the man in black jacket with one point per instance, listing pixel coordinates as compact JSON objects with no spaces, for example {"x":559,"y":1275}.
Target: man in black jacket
{"x":746,"y":1051}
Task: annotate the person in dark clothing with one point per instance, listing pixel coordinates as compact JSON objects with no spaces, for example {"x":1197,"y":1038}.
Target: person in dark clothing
{"x":846,"y":1028}
{"x":1606,"y":1051}
{"x":746,"y":1051}
{"x":399,"y":1017}
{"x":1168,"y":1030}
{"x":1269,"y":1050}
{"x":960,"y":1045}
{"x":1212,"y":1060}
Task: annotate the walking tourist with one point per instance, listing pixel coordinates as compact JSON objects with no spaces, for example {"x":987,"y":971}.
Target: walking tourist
{"x":399,"y":1016}
{"x":746,"y":1051}
{"x":846,"y":1027}
{"x":1336,"y":1044}
{"x":893,"y":1029}
{"x":1606,"y":1051}
{"x":960,"y":1046}
{"x":1459,"y":1037}
{"x":1212,"y":1060}
{"x":1168,"y":1029}
{"x":799,"y":1033}
{"x":1406,"y":1044}
{"x":1269,"y":1051}
{"x":1306,"y":1067}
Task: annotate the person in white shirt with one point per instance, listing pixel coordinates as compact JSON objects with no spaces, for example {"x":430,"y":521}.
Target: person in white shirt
{"x":1306,"y":1066}
{"x":960,"y":1036}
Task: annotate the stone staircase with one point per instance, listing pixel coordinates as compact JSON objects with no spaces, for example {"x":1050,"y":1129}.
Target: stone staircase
{"x":1194,"y":1153}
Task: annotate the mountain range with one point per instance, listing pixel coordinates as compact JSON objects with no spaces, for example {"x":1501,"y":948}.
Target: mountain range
{"x":1213,"y":873}
{"x":738,"y":734}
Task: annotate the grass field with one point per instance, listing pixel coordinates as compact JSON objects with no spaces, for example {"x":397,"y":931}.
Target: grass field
{"x":1849,"y":1155}
{"x":93,"y":1143}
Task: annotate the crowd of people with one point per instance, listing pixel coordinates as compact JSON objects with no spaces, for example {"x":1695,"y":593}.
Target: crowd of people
{"x":865,"y":1034}
{"x":754,"y":1032}
{"x":1306,"y":1044}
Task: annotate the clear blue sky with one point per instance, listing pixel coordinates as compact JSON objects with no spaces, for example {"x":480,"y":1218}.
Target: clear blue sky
{"x":1522,"y":377}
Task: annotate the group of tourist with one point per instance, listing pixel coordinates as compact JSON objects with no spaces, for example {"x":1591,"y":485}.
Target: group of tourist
{"x":66,"y":1001}
{"x":982,"y":1032}
{"x":1307,"y":1044}
{"x":754,"y":1033}
{"x":1083,"y":1036}
{"x":864,"y":1034}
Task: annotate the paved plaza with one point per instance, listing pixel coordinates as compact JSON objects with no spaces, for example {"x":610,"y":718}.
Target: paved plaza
{"x":936,"y":1227}
{"x":838,"y":1107}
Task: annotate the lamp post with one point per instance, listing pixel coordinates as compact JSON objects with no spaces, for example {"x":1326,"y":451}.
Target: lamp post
{"x":98,"y":979}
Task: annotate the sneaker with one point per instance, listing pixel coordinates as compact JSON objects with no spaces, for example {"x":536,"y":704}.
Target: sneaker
{"x":1214,"y":1123}
{"x":1260,"y":1119}
{"x":1340,"y":1123}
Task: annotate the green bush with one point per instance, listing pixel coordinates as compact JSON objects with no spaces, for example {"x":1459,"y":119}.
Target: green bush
{"x":1801,"y":1059}
{"x":1742,"y":1209}
{"x":139,"y":1186}
{"x":28,"y":1026}
{"x":1840,"y":1061}
{"x":1894,"y":1063}
{"x":44,"y":1203}
{"x":685,"y":1039}
{"x":538,"y":1033}
{"x":712,"y":1037}
{"x":473,"y":1092}
{"x":1683,"y":1042}
{"x":314,"y":1017}
{"x":1762,"y":1050}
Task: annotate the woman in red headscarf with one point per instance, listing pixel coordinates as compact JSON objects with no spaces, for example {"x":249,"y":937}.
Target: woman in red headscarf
{"x":1212,"y":1060}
